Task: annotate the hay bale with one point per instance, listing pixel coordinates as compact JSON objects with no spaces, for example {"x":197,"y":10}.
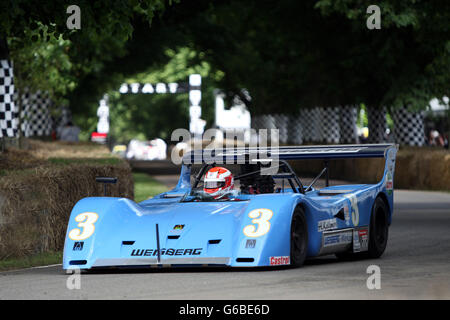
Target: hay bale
{"x":35,"y":204}
{"x":416,"y":168}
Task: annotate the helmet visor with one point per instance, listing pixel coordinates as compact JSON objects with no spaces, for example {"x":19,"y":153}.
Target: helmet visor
{"x":213,"y":184}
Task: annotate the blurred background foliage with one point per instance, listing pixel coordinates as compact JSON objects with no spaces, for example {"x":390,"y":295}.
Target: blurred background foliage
{"x":287,"y":54}
{"x":146,"y":116}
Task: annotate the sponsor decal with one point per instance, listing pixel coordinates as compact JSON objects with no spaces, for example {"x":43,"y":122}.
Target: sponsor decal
{"x":361,"y":239}
{"x":177,"y":229}
{"x":250,"y":244}
{"x":363,"y":235}
{"x":330,"y":240}
{"x":389,"y":183}
{"x":390,"y":171}
{"x":78,"y":246}
{"x":279,"y":261}
{"x":326,"y":224}
{"x":356,"y":244}
{"x":166,"y":252}
{"x":337,"y":239}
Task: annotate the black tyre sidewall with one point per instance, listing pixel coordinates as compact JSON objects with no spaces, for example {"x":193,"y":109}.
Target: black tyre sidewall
{"x":298,"y":220}
{"x":378,"y":224}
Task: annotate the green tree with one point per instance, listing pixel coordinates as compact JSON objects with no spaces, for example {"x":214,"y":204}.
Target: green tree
{"x":39,"y":39}
{"x":292,"y":54}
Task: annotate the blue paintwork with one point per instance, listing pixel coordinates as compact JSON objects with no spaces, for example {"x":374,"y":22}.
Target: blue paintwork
{"x":121,"y":219}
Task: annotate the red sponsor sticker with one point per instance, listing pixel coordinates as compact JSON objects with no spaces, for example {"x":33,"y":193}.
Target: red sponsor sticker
{"x":279,"y":261}
{"x":362,"y":233}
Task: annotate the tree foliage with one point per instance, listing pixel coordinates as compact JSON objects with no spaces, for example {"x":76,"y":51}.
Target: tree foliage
{"x":39,"y":39}
{"x":288,"y":54}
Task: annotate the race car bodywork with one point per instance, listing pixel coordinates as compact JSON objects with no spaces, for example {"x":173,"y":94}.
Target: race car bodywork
{"x":283,"y":227}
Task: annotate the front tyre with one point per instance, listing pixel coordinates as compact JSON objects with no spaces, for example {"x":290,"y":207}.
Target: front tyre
{"x":299,"y":237}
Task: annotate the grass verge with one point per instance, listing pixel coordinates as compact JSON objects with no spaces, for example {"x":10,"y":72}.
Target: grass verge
{"x":41,"y":259}
{"x":145,"y":186}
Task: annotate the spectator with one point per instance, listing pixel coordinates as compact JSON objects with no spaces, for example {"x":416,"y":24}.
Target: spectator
{"x":436,"y":139}
{"x":69,"y":132}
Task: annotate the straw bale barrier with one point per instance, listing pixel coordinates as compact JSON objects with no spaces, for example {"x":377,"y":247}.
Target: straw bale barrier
{"x":36,"y":200}
{"x":415,"y":168}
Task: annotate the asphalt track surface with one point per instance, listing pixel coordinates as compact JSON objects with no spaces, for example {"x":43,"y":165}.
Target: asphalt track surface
{"x":415,"y":265}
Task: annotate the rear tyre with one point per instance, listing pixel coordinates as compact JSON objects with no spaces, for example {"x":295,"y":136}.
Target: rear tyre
{"x":379,"y":229}
{"x":378,"y":234}
{"x":299,"y":237}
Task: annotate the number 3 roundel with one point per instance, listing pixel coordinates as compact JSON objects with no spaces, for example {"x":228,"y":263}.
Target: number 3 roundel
{"x":86,"y":222}
{"x":260,"y":223}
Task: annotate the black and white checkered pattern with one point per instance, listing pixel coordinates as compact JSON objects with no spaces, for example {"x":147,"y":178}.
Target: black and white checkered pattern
{"x":409,"y":127}
{"x":290,"y":127}
{"x":295,"y":130}
{"x":311,"y":124}
{"x":338,"y":125}
{"x":377,"y":124}
{"x":36,"y":119}
{"x":282,"y":124}
{"x":8,"y":112}
{"x":330,"y":124}
{"x":348,"y":115}
{"x":265,"y":121}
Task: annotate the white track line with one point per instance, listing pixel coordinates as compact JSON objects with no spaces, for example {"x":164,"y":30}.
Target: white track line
{"x":31,"y":268}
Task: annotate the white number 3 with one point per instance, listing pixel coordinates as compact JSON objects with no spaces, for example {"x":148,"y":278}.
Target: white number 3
{"x":260,"y":217}
{"x":86,"y":221}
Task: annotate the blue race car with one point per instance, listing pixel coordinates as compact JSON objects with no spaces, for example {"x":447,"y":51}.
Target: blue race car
{"x":271,"y":220}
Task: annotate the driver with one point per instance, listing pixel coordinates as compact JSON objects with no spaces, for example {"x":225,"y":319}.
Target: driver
{"x":218,"y":182}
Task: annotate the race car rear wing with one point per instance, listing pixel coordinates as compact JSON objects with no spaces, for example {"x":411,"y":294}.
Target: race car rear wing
{"x":249,"y":155}
{"x":282,"y":154}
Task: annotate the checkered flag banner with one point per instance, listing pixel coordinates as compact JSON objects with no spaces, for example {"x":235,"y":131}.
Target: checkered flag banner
{"x":331,"y":132}
{"x":282,"y":124}
{"x":35,"y":114}
{"x":295,"y":130}
{"x":265,"y":121}
{"x":317,"y":125}
{"x":312,"y":124}
{"x":348,"y":116}
{"x":8,"y":112}
{"x":409,"y":127}
{"x":377,"y":124}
